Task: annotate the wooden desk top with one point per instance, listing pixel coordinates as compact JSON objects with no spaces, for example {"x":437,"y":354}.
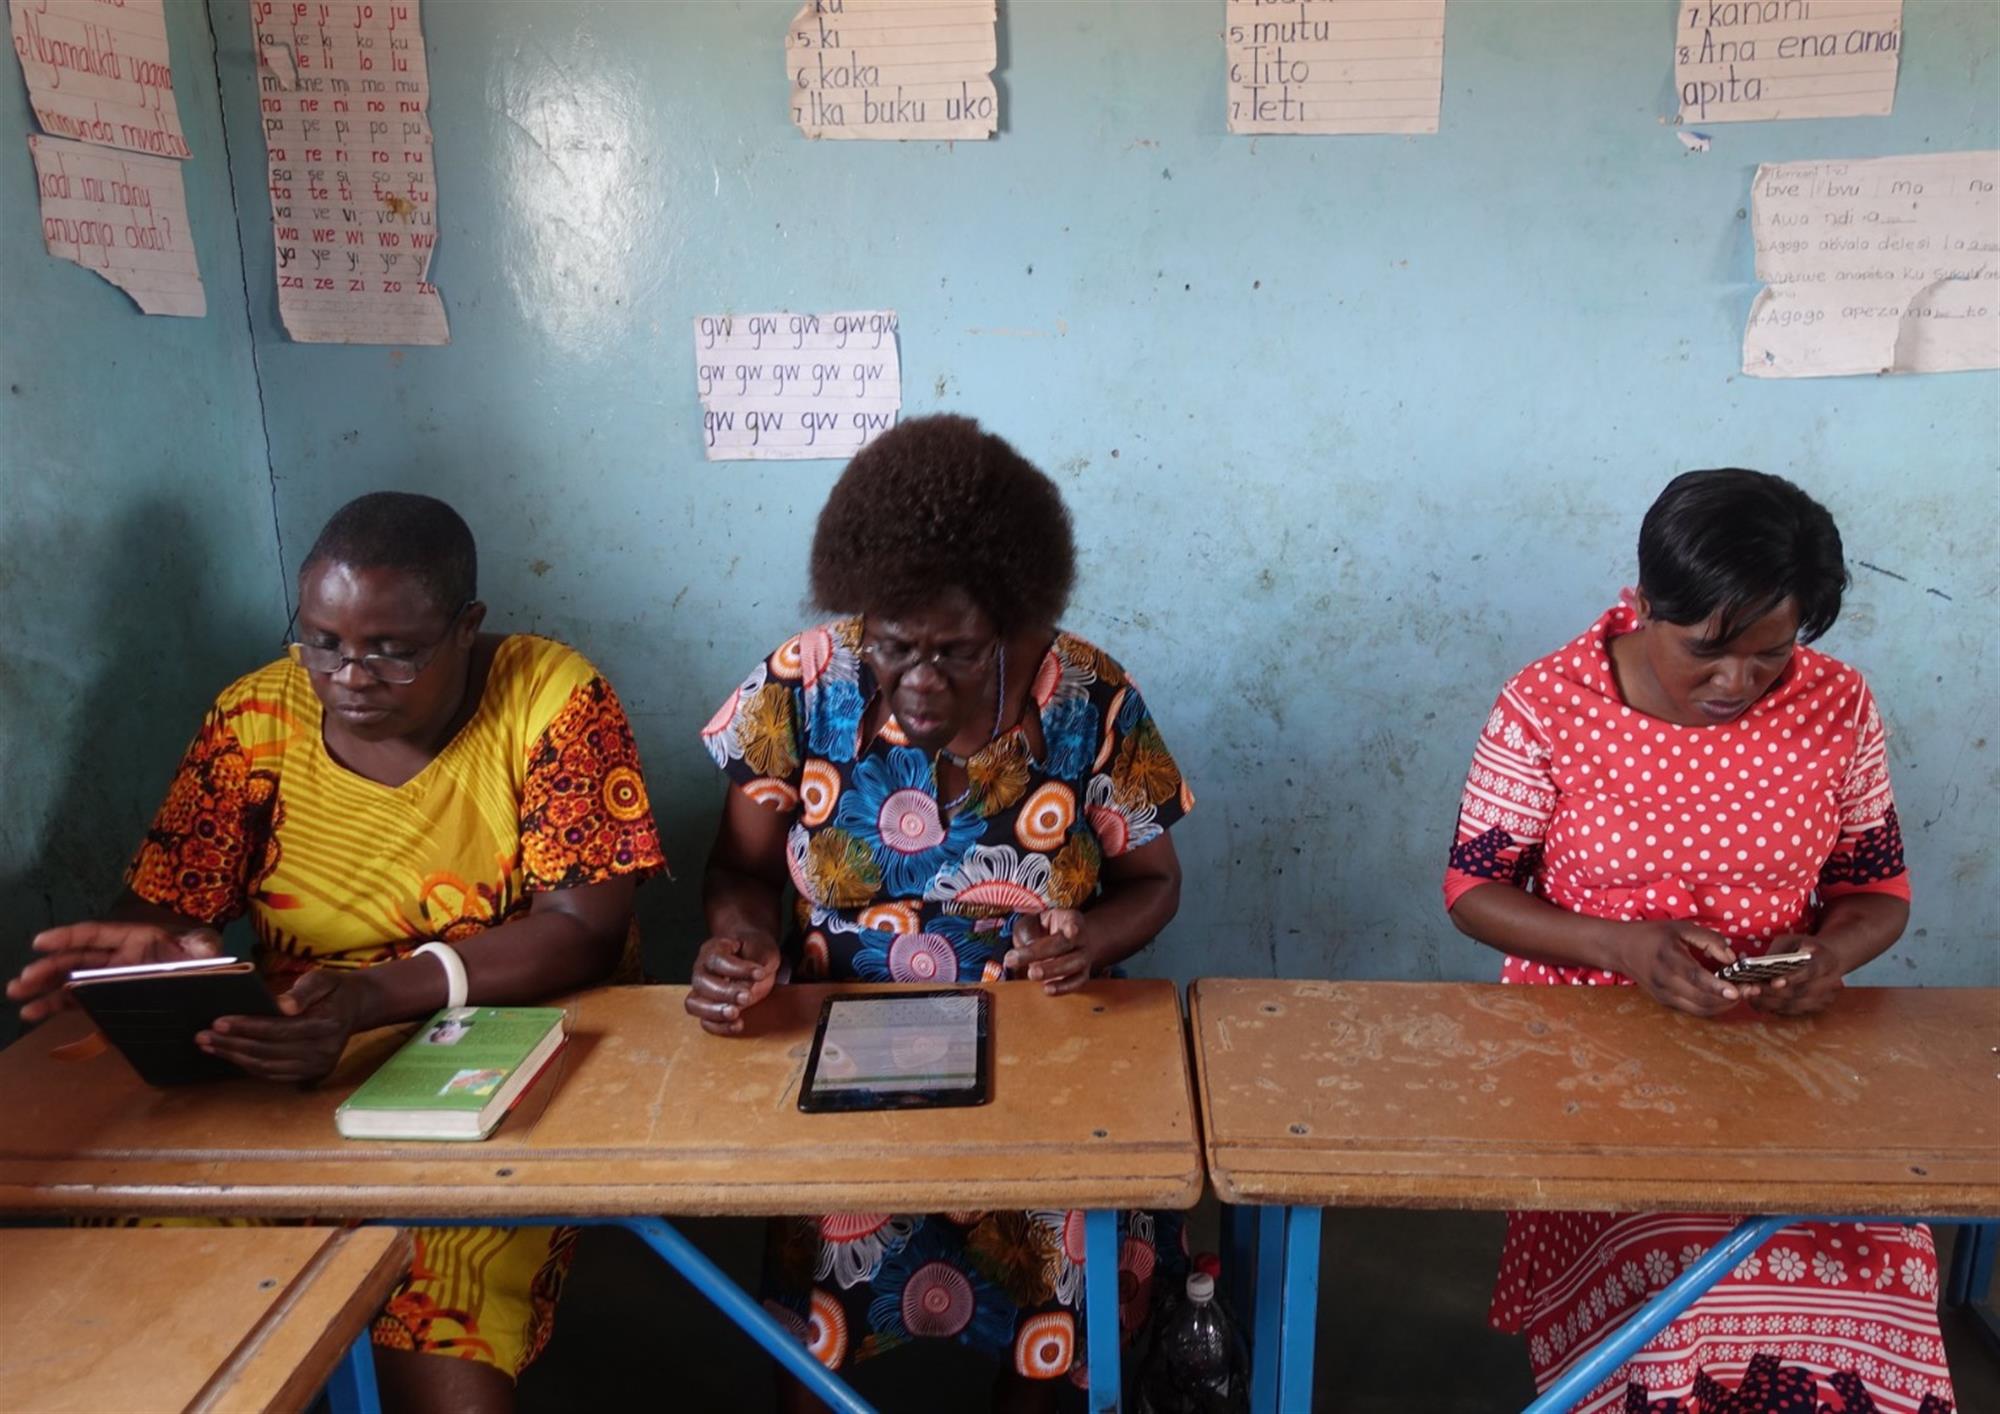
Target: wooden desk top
{"x":195,"y":1319}
{"x":1390,"y":1094}
{"x":642,"y":1113}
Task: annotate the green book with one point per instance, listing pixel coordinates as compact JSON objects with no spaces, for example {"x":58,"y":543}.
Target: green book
{"x":457,"y":1076}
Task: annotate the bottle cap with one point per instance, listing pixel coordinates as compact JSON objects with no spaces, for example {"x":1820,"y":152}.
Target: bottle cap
{"x":1201,"y":1288}
{"x":1208,"y":1264}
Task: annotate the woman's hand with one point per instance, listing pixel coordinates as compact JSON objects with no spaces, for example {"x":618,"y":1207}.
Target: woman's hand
{"x":64,"y":950}
{"x":731,"y":975}
{"x":1052,"y":948}
{"x":1661,"y":958}
{"x":1803,"y":990}
{"x":321,"y":1011}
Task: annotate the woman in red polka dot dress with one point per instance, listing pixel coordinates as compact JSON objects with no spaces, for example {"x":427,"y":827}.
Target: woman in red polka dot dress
{"x":1682,"y":785}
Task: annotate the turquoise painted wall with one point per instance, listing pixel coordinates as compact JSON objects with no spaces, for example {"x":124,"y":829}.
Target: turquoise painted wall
{"x":1352,"y":427}
{"x":138,"y":553}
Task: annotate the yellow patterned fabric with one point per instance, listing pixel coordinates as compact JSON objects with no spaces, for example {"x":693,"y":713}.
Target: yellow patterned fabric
{"x":540,"y":790}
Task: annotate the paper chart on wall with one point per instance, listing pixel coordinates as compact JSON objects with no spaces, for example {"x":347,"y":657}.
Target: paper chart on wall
{"x":893,"y":69}
{"x":100,"y":72}
{"x":1741,"y":61}
{"x":123,"y":216}
{"x":1334,"y":66}
{"x":345,"y":94}
{"x":796,"y":387}
{"x":1887,"y":265}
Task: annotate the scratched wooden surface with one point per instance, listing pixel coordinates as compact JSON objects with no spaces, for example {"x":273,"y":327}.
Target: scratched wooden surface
{"x":642,"y":1113}
{"x":1463,"y":1095}
{"x":208,"y":1319}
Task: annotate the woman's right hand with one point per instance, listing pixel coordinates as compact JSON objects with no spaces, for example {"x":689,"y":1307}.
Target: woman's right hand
{"x":731,"y":975}
{"x":1661,"y":958}
{"x":64,"y":950}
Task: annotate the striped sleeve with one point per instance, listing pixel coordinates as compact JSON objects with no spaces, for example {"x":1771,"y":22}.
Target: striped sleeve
{"x":1509,"y":797}
{"x":1868,"y":856}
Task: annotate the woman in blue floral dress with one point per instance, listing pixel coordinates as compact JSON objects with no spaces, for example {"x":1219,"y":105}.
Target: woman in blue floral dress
{"x":955,"y":791}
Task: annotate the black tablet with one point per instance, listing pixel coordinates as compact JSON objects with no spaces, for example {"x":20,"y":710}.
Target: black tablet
{"x":900,"y":1050}
{"x":153,"y":1011}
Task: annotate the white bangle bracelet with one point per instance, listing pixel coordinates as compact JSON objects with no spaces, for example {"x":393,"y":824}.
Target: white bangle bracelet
{"x":455,"y":985}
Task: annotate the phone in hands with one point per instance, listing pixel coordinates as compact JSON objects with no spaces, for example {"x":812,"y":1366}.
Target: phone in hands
{"x":1764,"y":969}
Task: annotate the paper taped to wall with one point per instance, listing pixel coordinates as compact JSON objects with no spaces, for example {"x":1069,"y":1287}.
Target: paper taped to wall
{"x":1889,"y":265}
{"x":1334,"y":66}
{"x":345,"y":96}
{"x":796,"y":387}
{"x":1740,"y":61}
{"x":100,"y":73}
{"x":123,"y":216}
{"x":897,"y":69}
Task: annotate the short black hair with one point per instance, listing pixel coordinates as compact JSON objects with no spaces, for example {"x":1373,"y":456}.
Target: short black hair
{"x":1738,"y":543}
{"x":401,"y":530}
{"x":938,"y":503}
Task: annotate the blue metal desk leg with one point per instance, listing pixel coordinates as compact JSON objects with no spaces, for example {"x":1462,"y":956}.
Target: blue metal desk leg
{"x":1301,"y":1318}
{"x":1267,"y":1330}
{"x":1100,"y":1308}
{"x":1648,"y":1321}
{"x":351,"y":1388}
{"x":760,"y":1325}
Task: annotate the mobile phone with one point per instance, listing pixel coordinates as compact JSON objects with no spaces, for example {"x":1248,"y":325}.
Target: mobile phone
{"x":1764,"y":969}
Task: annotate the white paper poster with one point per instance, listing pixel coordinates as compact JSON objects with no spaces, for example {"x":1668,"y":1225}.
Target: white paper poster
{"x":1889,"y":265}
{"x":123,"y":216}
{"x":1739,"y":61}
{"x":897,"y":69}
{"x":796,"y":387}
{"x":345,"y":96}
{"x":1334,"y":66}
{"x":100,"y":72}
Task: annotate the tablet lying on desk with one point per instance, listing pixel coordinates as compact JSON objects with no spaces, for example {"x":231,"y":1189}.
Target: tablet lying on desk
{"x":899,"y":1050}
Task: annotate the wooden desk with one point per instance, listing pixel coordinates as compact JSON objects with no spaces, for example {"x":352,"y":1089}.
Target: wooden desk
{"x":211,"y":1320}
{"x":1461,"y":1095}
{"x":645,"y":1113}
{"x":1387,"y":1094}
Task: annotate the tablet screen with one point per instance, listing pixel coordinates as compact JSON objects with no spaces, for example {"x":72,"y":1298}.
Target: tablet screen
{"x":898,"y":1050}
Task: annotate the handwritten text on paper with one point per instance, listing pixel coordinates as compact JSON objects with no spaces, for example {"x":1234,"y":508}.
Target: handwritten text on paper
{"x":100,"y":72}
{"x":123,"y":216}
{"x":1888,"y":265}
{"x":1739,"y":61}
{"x":344,"y":92}
{"x":796,"y":387}
{"x":908,"y":69}
{"x":1334,"y":66}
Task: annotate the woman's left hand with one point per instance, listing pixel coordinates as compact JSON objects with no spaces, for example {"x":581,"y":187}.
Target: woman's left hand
{"x":1052,"y":948}
{"x":321,"y":1011}
{"x":1806,"y":989}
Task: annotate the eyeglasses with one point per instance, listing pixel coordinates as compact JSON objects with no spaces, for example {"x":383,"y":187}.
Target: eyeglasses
{"x":955,"y":662}
{"x":396,"y":669}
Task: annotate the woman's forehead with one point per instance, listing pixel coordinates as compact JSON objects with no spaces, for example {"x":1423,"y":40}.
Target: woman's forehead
{"x":376,"y":591}
{"x":952,"y":614}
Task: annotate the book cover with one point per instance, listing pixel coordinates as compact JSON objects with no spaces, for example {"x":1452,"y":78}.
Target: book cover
{"x":456,"y":1076}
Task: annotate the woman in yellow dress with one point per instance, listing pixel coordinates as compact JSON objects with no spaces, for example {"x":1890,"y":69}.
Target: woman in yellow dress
{"x":399,"y":778}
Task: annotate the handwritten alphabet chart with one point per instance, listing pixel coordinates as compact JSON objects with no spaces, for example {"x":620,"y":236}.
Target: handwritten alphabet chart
{"x":796,"y":387}
{"x":344,"y":94}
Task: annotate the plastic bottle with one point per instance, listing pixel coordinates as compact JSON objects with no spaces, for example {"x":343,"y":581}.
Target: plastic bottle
{"x":1197,"y":1365}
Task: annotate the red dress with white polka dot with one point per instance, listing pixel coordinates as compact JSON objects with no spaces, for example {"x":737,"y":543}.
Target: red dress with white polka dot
{"x":1747,"y":828}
